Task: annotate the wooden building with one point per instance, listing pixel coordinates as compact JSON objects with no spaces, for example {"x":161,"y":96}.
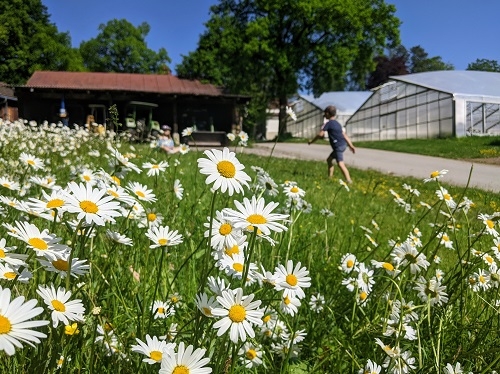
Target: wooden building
{"x":171,"y":101}
{"x":8,"y":103}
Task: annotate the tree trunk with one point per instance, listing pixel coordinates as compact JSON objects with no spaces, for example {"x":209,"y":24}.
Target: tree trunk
{"x":282,"y":118}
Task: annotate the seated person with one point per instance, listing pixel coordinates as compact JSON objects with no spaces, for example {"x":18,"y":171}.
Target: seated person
{"x":165,"y":140}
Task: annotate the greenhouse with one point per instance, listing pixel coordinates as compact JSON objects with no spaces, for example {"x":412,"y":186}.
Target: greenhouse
{"x":430,"y":105}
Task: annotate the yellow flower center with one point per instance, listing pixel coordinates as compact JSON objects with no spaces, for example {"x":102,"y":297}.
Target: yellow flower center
{"x":161,"y":310}
{"x":9,"y":275}
{"x":388,"y":266}
{"x":116,"y":180}
{"x":251,"y":354}
{"x":350,"y":263}
{"x":237,"y":313}
{"x":232,"y":251}
{"x":31,"y":162}
{"x":7,"y":185}
{"x":287,"y":300}
{"x":489,"y":259}
{"x":256,"y":219}
{"x":294,"y":189}
{"x":447,"y":196}
{"x":140,"y":193}
{"x":60,"y":264}
{"x":363,"y":295}
{"x":490,"y":223}
{"x":446,"y":238}
{"x":174,"y":299}
{"x":225,"y":229}
{"x":5,"y":325}
{"x":238,"y":267}
{"x":207,"y":311}
{"x":38,"y":243}
{"x":180,"y":369}
{"x":482,"y":279}
{"x":58,"y":306}
{"x":291,"y":279}
{"x":2,"y":253}
{"x":162,"y":241}
{"x":226,"y":169}
{"x":155,"y":167}
{"x":113,"y":193}
{"x":151,"y":217}
{"x":55,"y":203}
{"x":87,"y":178}
{"x":434,"y":174}
{"x":89,"y":207}
{"x":155,"y":355}
{"x":266,"y":319}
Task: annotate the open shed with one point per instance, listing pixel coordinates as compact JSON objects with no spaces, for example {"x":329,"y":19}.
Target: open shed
{"x":429,"y":105}
{"x":177,"y":102}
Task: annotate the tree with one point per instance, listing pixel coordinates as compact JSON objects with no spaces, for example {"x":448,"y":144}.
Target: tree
{"x":393,"y":64}
{"x":483,"y":64}
{"x":29,"y":42}
{"x":420,"y":61}
{"x":276,"y":48}
{"x":121,"y":47}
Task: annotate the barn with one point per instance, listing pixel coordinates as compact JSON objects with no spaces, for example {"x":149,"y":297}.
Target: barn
{"x":166,"y":99}
{"x":426,"y":105}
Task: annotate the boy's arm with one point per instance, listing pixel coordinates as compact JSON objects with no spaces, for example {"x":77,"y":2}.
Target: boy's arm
{"x":320,"y":135}
{"x":349,"y":143}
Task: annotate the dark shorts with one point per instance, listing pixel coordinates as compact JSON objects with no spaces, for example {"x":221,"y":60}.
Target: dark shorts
{"x":338,"y":153}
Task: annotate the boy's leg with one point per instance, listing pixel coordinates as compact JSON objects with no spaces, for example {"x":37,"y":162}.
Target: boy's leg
{"x":329,"y":161}
{"x":342,"y":167}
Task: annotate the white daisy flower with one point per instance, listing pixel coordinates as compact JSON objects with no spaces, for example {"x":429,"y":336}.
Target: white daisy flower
{"x":61,"y":266}
{"x":292,"y":279}
{"x":348,"y":263}
{"x":154,"y":169}
{"x":294,"y":192}
{"x":42,"y":242}
{"x":178,"y":189}
{"x":255,"y":214}
{"x":435,"y":175}
{"x":224,"y":171}
{"x":206,"y":304}
{"x":489,"y":224}
{"x":32,"y":161}
{"x":371,"y":367}
{"x":142,"y":192}
{"x":250,"y":355}
{"x":223,"y":233}
{"x":120,"y":194}
{"x":11,"y":273}
{"x":239,"y":314}
{"x":185,"y":360}
{"x":217,"y":285}
{"x":56,"y":200}
{"x":187,"y":131}
{"x":9,"y":184}
{"x":443,"y":194}
{"x":449,"y":369}
{"x":118,"y":238}
{"x":162,"y":236}
{"x":153,"y":349}
{"x":14,"y":324}
{"x":290,"y":305}
{"x":317,"y":302}
{"x":445,"y":240}
{"x":9,"y":257}
{"x":91,"y":204}
{"x":183,"y":149}
{"x":406,"y":254}
{"x":62,"y":310}
{"x":162,"y":309}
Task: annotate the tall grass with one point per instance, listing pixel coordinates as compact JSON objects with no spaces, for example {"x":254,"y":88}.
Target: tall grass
{"x":389,"y":259}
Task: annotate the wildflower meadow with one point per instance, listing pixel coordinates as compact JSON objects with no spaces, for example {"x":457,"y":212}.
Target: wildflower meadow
{"x":121,"y":258}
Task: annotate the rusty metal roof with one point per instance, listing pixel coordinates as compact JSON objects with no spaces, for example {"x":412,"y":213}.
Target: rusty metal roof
{"x":152,"y":83}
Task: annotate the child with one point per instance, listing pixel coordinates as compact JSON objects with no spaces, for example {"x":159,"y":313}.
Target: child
{"x":166,"y":142}
{"x":338,"y":140}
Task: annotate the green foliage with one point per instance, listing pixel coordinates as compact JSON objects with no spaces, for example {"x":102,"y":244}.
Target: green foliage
{"x":420,"y":61}
{"x":121,"y":47}
{"x":29,"y":42}
{"x":483,"y":64}
{"x":280,"y":47}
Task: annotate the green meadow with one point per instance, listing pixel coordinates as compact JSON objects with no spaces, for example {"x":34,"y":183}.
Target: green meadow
{"x":290,"y":273}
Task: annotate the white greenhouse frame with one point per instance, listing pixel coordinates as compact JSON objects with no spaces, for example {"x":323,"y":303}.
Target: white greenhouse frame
{"x":430,"y":105}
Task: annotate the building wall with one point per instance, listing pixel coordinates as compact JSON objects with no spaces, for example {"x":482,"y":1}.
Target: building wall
{"x":403,"y":111}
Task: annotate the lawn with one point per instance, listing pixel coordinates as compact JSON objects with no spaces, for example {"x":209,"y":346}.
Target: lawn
{"x":117,"y":257}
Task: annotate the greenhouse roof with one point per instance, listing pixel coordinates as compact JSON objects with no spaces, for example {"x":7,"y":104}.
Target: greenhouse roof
{"x":346,"y":102}
{"x":459,"y":82}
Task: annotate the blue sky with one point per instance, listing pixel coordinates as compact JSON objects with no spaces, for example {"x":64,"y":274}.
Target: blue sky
{"x":460,"y":31}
